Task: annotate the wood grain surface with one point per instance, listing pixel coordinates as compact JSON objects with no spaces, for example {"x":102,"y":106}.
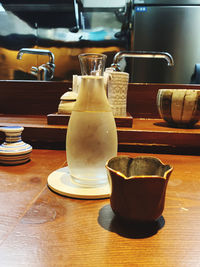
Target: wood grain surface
{"x":155,"y":134}
{"x":41,"y":228}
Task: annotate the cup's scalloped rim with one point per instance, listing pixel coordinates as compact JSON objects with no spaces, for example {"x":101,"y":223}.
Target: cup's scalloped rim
{"x":139,"y":176}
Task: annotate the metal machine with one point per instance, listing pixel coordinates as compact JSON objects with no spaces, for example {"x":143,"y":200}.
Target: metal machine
{"x":170,"y":26}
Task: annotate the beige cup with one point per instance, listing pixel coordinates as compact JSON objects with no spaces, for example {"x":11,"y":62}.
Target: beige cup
{"x":117,"y":87}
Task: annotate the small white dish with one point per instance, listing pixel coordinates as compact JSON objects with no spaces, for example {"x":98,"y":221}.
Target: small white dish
{"x":61,"y":182}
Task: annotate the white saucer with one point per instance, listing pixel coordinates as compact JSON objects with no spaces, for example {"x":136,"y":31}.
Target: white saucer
{"x":61,"y":182}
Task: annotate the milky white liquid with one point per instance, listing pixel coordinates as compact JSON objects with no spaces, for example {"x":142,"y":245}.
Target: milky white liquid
{"x":91,"y":141}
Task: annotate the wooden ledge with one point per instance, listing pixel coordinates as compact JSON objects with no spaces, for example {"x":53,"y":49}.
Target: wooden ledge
{"x":143,"y":133}
{"x":63,"y":119}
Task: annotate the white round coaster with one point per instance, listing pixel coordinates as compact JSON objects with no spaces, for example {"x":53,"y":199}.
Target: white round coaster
{"x":61,"y":182}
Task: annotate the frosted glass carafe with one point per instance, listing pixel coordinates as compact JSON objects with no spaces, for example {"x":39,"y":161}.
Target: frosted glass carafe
{"x":92,"y":135}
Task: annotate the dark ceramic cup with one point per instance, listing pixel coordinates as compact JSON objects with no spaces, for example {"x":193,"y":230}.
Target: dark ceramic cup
{"x":138,"y":187}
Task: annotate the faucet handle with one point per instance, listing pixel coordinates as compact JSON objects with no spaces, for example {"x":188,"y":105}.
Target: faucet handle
{"x":34,"y":71}
{"x":50,"y":68}
{"x":116,"y":67}
{"x":46,"y":71}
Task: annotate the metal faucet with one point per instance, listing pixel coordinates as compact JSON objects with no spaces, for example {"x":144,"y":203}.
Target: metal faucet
{"x":44,"y":72}
{"x":140,"y":54}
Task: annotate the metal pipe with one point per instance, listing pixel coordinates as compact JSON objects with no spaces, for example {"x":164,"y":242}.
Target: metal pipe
{"x":141,"y":54}
{"x":36,"y":52}
{"x":45,"y":71}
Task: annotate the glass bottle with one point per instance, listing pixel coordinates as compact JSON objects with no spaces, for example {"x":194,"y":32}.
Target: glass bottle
{"x":92,"y":135}
{"x":92,"y":64}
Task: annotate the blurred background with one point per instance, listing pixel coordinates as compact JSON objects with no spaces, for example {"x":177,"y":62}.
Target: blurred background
{"x":66,"y":28}
{"x":70,"y":27}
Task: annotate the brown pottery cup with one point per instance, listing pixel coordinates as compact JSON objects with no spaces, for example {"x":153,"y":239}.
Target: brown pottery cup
{"x":138,"y":187}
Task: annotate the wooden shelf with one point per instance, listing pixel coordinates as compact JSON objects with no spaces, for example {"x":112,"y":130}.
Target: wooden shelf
{"x":63,"y":119}
{"x":29,"y":103}
{"x":152,"y":134}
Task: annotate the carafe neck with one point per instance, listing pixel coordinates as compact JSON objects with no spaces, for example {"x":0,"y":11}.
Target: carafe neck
{"x":92,"y":95}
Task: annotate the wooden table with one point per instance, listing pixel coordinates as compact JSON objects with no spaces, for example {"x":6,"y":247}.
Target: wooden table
{"x":41,"y":228}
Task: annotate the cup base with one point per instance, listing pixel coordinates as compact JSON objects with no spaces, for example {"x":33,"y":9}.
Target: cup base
{"x":88,"y":183}
{"x":61,"y":182}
